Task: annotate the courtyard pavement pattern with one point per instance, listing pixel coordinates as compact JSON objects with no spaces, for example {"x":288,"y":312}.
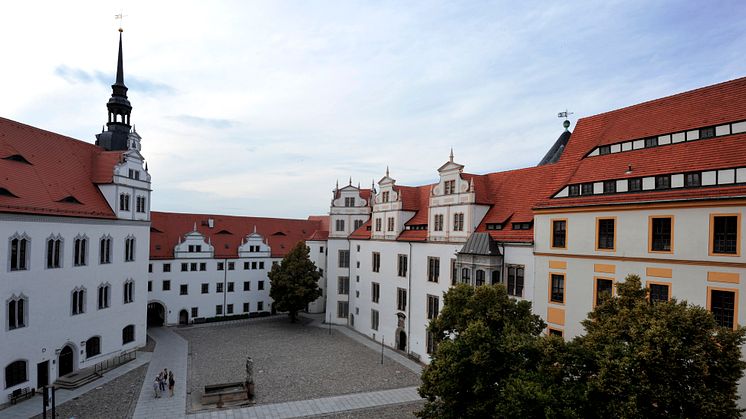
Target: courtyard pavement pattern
{"x":171,"y":352}
{"x":32,"y":407}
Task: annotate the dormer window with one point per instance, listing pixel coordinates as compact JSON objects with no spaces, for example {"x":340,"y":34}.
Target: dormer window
{"x":17,"y":157}
{"x":708,"y":132}
{"x":574,"y":190}
{"x":385,"y":196}
{"x":5,"y":192}
{"x":586,"y":189}
{"x":610,"y":186}
{"x":692,"y":179}
{"x":522,"y":226}
{"x":69,"y":200}
{"x":349,"y":202}
{"x":651,"y":142}
{"x":605,"y":149}
{"x":450,"y":187}
{"x":663,"y":182}
{"x":494,"y":226}
{"x":634,"y":185}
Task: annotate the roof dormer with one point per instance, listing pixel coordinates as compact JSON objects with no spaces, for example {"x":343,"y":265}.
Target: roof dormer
{"x":194,"y":245}
{"x":253,"y":245}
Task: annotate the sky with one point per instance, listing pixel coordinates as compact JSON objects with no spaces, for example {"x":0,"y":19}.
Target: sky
{"x":260,"y":107}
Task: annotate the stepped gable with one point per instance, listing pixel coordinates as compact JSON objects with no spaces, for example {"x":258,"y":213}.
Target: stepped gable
{"x":227,"y":233}
{"x":707,"y":106}
{"x":43,"y":169}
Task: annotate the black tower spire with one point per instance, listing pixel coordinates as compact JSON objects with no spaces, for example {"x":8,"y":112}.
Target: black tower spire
{"x":118,"y":127}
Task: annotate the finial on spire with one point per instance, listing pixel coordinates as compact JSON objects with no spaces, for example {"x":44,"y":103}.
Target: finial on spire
{"x":350,"y":181}
{"x":336,"y":188}
{"x":387,"y":170}
{"x":195,"y":226}
{"x":566,"y":114}
{"x":450,"y":157}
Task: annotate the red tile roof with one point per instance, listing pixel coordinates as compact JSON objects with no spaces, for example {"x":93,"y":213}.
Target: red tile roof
{"x":362,"y":233}
{"x":712,"y":105}
{"x":319,"y":235}
{"x":418,"y":199}
{"x":227,"y":233}
{"x":59,"y":167}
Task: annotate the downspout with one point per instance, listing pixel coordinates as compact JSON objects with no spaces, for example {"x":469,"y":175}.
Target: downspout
{"x":225,"y":283}
{"x":409,"y":299}
{"x":349,"y":278}
{"x":502,"y":266}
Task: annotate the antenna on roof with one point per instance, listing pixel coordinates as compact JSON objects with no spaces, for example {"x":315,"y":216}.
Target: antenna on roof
{"x":566,"y":114}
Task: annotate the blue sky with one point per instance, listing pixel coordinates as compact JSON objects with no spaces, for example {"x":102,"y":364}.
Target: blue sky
{"x":258,"y":108}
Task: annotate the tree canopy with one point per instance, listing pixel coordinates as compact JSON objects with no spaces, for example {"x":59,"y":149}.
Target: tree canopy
{"x":636,"y":359}
{"x":294,"y":283}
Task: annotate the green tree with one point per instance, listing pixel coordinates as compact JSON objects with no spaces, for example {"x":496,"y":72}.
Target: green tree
{"x":295,"y":282}
{"x":666,"y":359}
{"x":484,"y":340}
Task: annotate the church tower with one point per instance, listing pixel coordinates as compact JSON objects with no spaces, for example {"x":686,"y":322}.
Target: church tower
{"x":118,"y":128}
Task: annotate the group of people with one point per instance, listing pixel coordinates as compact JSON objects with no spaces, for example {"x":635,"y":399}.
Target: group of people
{"x":164,"y":379}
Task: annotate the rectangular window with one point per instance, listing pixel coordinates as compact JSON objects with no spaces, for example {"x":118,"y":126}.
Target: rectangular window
{"x":219,"y":310}
{"x":634,"y":184}
{"x":193,"y":266}
{"x":385,"y":196}
{"x":166,"y":286}
{"x":692,"y":180}
{"x":221,"y":266}
{"x":586,"y":189}
{"x":247,"y":285}
{"x":376,"y":262}
{"x":205,"y":288}
{"x":184,"y":289}
{"x":203,"y":266}
{"x":260,"y":285}
{"x":195,"y":312}
{"x":231,"y":266}
{"x":458,"y":221}
{"x":651,"y":142}
{"x":438,"y":222}
{"x":430,"y":344}
{"x":658,"y":292}
{"x":184,"y":267}
{"x":260,"y":306}
{"x":708,"y":132}
{"x":343,"y":285}
{"x":402,"y":265}
{"x":554,"y":332}
{"x":723,"y":307}
{"x":349,"y":201}
{"x":375,"y":292}
{"x":253,"y":265}
{"x":166,"y":267}
{"x":605,"y":233}
{"x":246,"y":266}
{"x":603,"y":289}
{"x":557,"y":291}
{"x":245,"y":307}
{"x":150,"y":268}
{"x":358,"y":224}
{"x":433,"y":306}
{"x":261,"y":265}
{"x":661,"y":234}
{"x":609,"y":186}
{"x":229,"y":309}
{"x":340,"y":225}
{"x":378,"y":224}
{"x":454,"y":272}
{"x":559,"y":234}
{"x":374,"y":319}
{"x":343,"y":309}
{"x":231,"y":286}
{"x":150,"y":286}
{"x":344,"y":258}
{"x":663,"y":182}
{"x":218,"y":287}
{"x":401,"y":299}
{"x":433,"y":269}
{"x":450,"y":187}
{"x":515,"y":280}
{"x":724,"y":232}
{"x":573,"y":190}
{"x":105,"y":251}
{"x":391,"y":224}
{"x":604,"y":149}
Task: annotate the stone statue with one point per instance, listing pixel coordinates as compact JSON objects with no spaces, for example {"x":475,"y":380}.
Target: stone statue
{"x":249,"y":370}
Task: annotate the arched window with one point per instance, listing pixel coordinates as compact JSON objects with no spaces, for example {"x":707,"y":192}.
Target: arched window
{"x":19,"y":246}
{"x":479,"y":277}
{"x":17,"y":311}
{"x":92,"y":346}
{"x":465,"y":275}
{"x":80,"y":251}
{"x":129,"y":291}
{"x":105,"y":250}
{"x":54,"y":252}
{"x":129,"y":249}
{"x":15,"y":373}
{"x":104,"y":296}
{"x":128,"y":334}
{"x":78,"y":301}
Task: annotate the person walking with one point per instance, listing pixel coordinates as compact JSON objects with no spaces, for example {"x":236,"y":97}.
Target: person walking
{"x":157,"y":386}
{"x":171,"y":383}
{"x":163,"y":377}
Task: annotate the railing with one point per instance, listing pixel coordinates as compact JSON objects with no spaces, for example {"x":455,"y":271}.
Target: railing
{"x":115,"y":361}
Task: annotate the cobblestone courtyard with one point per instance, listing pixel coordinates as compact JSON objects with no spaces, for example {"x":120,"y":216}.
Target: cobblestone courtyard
{"x":291,"y":361}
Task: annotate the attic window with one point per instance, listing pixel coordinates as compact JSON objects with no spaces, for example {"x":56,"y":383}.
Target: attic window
{"x":494,"y":226}
{"x":155,"y":230}
{"x":17,"y":157}
{"x":157,"y":247}
{"x":70,"y":200}
{"x":417,"y":227}
{"x":522,"y":226}
{"x":5,"y":192}
{"x":279,"y":233}
{"x":223,"y":232}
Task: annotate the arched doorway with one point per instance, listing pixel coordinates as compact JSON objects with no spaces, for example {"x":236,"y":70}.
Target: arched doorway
{"x":156,"y":314}
{"x":183,"y":317}
{"x":65,"y":364}
{"x":402,"y":346}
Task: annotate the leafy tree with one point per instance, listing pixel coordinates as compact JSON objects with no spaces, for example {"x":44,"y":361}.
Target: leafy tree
{"x":484,"y":339}
{"x":659,"y":360}
{"x":295,"y":282}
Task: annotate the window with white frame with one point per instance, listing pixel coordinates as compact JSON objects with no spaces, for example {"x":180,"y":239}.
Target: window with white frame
{"x":374,"y":319}
{"x":54,"y":252}
{"x":375,"y":292}
{"x":80,"y":251}
{"x":433,"y":306}
{"x":124,"y":202}
{"x":17,"y":309}
{"x":458,"y":221}
{"x":104,"y":250}
{"x":402,"y":264}
{"x":391,"y":224}
{"x":433,"y":269}
{"x":129,"y":291}
{"x":438,"y":222}
{"x":378,"y":224}
{"x":19,"y":247}
{"x":129,"y":249}
{"x":140,"y":204}
{"x":343,"y":285}
{"x":78,"y":301}
{"x":104,"y":296}
{"x":340,"y":225}
{"x":450,"y":187}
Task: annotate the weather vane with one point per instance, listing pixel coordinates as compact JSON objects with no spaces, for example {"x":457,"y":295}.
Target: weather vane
{"x":566,"y":114}
{"x":120,"y":17}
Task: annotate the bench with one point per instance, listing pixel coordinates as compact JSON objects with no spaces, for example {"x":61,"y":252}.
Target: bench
{"x":21,"y":394}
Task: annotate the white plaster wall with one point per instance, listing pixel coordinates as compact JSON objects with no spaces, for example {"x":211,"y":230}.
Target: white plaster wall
{"x":318,"y":255}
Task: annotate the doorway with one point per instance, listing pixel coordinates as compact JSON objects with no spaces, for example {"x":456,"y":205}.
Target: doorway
{"x":402,"y":341}
{"x":42,"y":374}
{"x":65,"y":365}
{"x":156,"y":314}
{"x":183,"y":317}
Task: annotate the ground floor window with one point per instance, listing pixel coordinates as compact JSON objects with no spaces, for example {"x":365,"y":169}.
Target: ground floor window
{"x":128,"y":334}
{"x":430,"y":344}
{"x":92,"y":346}
{"x":15,"y":373}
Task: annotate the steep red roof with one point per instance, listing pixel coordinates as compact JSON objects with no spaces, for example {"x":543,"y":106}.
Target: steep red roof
{"x":319,"y":235}
{"x":227,"y":233}
{"x":362,"y":233}
{"x":56,"y":167}
{"x":323,"y":219}
{"x":712,"y":105}
{"x":418,"y":199}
